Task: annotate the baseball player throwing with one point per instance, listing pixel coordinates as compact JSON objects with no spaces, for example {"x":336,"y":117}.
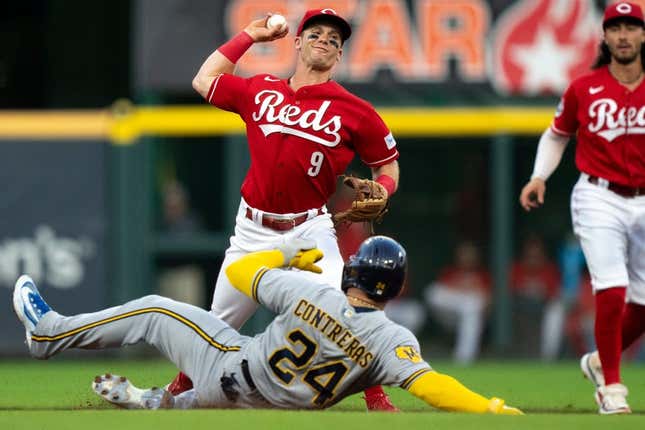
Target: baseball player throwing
{"x":606,"y":111}
{"x":323,"y":346}
{"x":302,"y":133}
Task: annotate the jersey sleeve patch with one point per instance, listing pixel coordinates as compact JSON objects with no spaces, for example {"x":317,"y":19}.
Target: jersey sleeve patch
{"x":408,"y":353}
{"x":389,"y":141}
{"x":560,"y":108}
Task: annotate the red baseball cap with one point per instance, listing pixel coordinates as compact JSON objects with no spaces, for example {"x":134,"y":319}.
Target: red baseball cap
{"x":623,"y":9}
{"x":331,"y":14}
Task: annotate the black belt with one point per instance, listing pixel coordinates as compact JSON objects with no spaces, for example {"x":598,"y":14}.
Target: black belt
{"x":247,"y":374}
{"x":621,"y":190}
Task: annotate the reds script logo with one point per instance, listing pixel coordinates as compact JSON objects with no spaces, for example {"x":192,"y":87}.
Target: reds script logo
{"x":289,"y":115}
{"x":540,"y":45}
{"x":611,"y":122}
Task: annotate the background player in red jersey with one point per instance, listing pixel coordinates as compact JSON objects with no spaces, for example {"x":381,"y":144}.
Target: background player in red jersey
{"x":606,"y":108}
{"x":302,"y":133}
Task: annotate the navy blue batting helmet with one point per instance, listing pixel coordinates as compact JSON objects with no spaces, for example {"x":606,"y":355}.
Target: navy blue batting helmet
{"x":378,"y":268}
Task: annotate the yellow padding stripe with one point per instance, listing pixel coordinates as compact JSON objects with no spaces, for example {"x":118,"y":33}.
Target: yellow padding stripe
{"x":124,"y":123}
{"x":256,"y":281}
{"x":171,"y":314}
{"x":414,"y":376}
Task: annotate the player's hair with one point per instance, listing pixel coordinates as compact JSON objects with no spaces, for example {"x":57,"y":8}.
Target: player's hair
{"x":604,"y":56}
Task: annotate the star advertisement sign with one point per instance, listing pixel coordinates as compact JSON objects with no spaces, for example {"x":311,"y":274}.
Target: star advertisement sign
{"x":431,"y":50}
{"x":539,"y":46}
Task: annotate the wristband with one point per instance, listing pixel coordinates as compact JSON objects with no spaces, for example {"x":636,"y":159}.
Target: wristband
{"x":388,"y":183}
{"x":236,"y":47}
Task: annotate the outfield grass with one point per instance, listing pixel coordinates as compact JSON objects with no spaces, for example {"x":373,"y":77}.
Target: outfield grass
{"x":56,"y":394}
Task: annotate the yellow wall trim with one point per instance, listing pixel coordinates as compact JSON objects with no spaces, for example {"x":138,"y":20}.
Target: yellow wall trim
{"x":127,"y":123}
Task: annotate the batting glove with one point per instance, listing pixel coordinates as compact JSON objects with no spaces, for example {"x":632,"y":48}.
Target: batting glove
{"x":301,"y":254}
{"x":497,"y":406}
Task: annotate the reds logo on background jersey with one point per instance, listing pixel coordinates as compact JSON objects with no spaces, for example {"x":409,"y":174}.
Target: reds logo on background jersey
{"x":610,"y":122}
{"x":540,"y":45}
{"x":311,"y":124}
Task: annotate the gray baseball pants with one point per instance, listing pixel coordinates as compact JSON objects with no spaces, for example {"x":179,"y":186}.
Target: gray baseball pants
{"x":202,"y":346}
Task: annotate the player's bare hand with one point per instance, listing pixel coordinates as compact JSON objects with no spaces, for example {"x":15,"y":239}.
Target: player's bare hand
{"x":532,"y":195}
{"x":260,"y":33}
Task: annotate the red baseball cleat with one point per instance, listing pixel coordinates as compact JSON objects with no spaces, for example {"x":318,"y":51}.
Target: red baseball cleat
{"x":377,"y":401}
{"x":180,"y":384}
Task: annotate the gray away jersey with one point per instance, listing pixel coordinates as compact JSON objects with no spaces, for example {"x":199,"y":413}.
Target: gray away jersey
{"x":319,"y":349}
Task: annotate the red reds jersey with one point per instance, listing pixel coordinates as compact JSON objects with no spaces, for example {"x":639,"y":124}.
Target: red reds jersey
{"x":460,"y":279}
{"x":539,"y":283}
{"x":300,"y":141}
{"x":610,"y":122}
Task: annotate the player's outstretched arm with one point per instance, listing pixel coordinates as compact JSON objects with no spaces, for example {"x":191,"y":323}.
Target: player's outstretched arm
{"x":298,"y":253}
{"x":446,"y":393}
{"x":223,"y":60}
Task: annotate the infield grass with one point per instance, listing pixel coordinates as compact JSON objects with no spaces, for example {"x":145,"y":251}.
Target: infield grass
{"x":56,"y":395}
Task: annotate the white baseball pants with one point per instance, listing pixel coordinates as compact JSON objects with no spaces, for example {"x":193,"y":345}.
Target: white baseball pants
{"x":611,"y":230}
{"x":233,"y":306}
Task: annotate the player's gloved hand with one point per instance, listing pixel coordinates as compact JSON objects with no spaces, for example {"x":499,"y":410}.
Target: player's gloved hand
{"x":304,"y":260}
{"x":497,"y":406}
{"x":301,"y":254}
{"x":290,"y":247}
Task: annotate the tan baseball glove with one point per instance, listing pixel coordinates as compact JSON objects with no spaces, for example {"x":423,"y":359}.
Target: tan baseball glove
{"x":370,"y":201}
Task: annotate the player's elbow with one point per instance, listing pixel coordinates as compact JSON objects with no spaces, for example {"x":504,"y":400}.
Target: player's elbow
{"x":198,"y":85}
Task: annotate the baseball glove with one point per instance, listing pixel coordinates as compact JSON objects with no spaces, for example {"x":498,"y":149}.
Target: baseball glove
{"x":370,"y":201}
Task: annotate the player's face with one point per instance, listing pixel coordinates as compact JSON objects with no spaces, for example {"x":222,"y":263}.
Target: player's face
{"x":624,"y":40}
{"x":320,"y":46}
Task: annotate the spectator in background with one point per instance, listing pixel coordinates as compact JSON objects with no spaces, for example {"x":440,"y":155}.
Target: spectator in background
{"x":180,"y":280}
{"x":580,"y":318}
{"x":580,"y":323}
{"x":579,"y":300}
{"x":178,"y":217}
{"x":535,"y":286}
{"x":459,"y":300}
{"x":406,"y":310}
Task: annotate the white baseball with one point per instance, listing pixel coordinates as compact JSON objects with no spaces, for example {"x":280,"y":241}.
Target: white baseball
{"x":276,"y":21}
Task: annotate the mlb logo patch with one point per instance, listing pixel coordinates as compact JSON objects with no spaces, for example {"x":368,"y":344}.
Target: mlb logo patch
{"x":560,"y":108}
{"x":389,"y":141}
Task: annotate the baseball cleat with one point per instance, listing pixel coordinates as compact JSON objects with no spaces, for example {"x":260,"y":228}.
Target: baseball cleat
{"x":611,"y":399}
{"x":28,"y":305}
{"x":592,"y":368}
{"x":119,"y":391}
{"x":180,"y":384}
{"x":379,"y":403}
